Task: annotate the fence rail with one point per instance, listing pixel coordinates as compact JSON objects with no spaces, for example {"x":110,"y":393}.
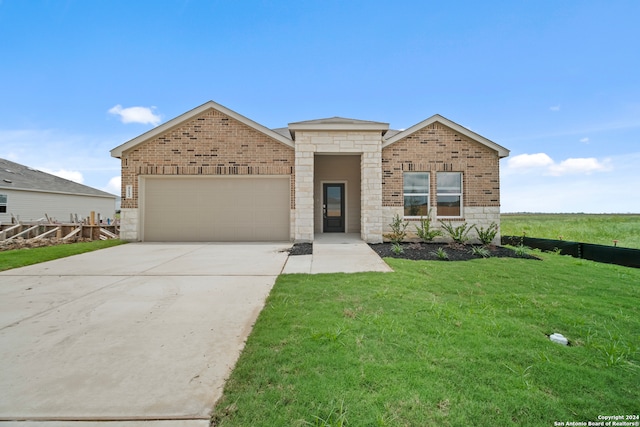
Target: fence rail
{"x":600,"y":253}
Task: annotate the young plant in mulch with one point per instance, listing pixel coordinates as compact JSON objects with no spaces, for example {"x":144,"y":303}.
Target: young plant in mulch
{"x":459,"y":234}
{"x":425,"y":231}
{"x":397,"y":248}
{"x":480,"y":251}
{"x":487,"y":236}
{"x":441,"y":254}
{"x":398,"y":230}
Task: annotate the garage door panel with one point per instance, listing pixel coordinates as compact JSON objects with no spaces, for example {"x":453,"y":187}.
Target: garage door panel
{"x":216,"y":209}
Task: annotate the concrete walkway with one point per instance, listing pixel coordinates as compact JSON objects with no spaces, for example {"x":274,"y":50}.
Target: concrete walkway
{"x":141,"y":334}
{"x":337,"y":253}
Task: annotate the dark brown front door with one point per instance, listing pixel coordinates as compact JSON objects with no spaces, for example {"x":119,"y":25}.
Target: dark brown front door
{"x":333,"y":208}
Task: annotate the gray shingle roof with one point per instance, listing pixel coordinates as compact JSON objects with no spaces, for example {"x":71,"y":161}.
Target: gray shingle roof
{"x":338,"y":120}
{"x":15,"y":176}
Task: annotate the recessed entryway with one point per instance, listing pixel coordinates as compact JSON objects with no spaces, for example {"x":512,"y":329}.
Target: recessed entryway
{"x":337,"y":193}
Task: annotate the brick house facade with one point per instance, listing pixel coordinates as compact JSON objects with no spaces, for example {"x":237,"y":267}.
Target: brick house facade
{"x":212,"y":174}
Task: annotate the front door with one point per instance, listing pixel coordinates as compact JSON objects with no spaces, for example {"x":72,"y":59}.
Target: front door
{"x":333,"y":208}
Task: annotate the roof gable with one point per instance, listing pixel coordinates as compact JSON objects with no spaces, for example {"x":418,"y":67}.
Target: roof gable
{"x":183,"y":118}
{"x":14,"y":176}
{"x":502,"y":152}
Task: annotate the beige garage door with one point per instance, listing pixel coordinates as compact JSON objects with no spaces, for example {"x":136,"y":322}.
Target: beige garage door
{"x":223,"y":209}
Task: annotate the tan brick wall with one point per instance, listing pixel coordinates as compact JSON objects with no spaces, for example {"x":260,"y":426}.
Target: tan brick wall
{"x":210,"y":144}
{"x":437,"y":148}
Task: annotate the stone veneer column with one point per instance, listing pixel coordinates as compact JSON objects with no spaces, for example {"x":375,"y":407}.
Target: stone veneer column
{"x":371,"y":194}
{"x":304,"y":192}
{"x":129,"y":224}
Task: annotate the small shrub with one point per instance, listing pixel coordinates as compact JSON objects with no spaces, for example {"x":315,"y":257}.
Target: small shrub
{"x":480,"y":251}
{"x":521,"y":250}
{"x":487,"y":236}
{"x":398,"y":230}
{"x":397,"y":249}
{"x":441,"y":254}
{"x":424,"y":230}
{"x":459,"y":234}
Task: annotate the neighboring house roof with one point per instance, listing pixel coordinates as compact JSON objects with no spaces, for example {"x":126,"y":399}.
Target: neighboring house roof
{"x":390,"y":139}
{"x":117,"y":152}
{"x":14,"y":176}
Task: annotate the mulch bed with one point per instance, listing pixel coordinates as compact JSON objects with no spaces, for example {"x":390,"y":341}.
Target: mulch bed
{"x":425,"y":251}
{"x":456,"y":252}
{"x":301,"y":249}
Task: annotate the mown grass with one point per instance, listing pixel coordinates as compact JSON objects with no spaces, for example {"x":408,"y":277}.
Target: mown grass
{"x":442,"y":344}
{"x":23,"y":257}
{"x":599,"y":229}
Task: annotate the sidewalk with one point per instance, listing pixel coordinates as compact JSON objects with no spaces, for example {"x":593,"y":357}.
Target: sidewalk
{"x":336,"y":253}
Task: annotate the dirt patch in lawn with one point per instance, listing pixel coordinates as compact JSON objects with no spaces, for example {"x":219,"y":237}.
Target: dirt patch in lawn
{"x":20,"y":243}
{"x":454,"y":252}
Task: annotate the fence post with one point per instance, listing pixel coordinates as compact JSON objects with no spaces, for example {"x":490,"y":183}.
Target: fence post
{"x":580,"y":250}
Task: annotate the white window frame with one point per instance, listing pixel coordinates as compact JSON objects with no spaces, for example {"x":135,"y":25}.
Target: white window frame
{"x":460,"y":194}
{"x":4,"y":203}
{"x":428,"y":194}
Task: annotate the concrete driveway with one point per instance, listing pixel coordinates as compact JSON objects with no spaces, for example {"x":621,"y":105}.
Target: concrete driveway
{"x":136,"y":332}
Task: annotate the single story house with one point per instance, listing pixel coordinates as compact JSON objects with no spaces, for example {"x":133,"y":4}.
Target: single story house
{"x":28,"y":194}
{"x":212,"y":174}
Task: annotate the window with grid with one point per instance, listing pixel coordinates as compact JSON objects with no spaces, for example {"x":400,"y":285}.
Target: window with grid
{"x":3,"y":203}
{"x":449,"y":194}
{"x":416,"y":194}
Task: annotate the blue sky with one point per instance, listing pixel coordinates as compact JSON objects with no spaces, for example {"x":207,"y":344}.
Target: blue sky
{"x":557,"y":83}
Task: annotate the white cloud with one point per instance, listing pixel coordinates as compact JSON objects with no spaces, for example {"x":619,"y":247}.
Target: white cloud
{"x":144,"y":115}
{"x":555,"y":108}
{"x":585,"y":140}
{"x":114,"y":185}
{"x":594,"y":193}
{"x":74,"y":176}
{"x":579,"y":166}
{"x":545,"y":165}
{"x":529,"y":161}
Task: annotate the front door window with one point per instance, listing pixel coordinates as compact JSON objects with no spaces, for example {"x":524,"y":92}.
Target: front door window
{"x":333,"y":208}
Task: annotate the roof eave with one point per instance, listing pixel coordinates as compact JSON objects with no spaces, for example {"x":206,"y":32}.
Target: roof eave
{"x":325,"y":127}
{"x":105,"y":195}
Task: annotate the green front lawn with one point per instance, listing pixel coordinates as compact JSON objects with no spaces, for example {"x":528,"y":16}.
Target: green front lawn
{"x":442,"y":344}
{"x":23,"y":257}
